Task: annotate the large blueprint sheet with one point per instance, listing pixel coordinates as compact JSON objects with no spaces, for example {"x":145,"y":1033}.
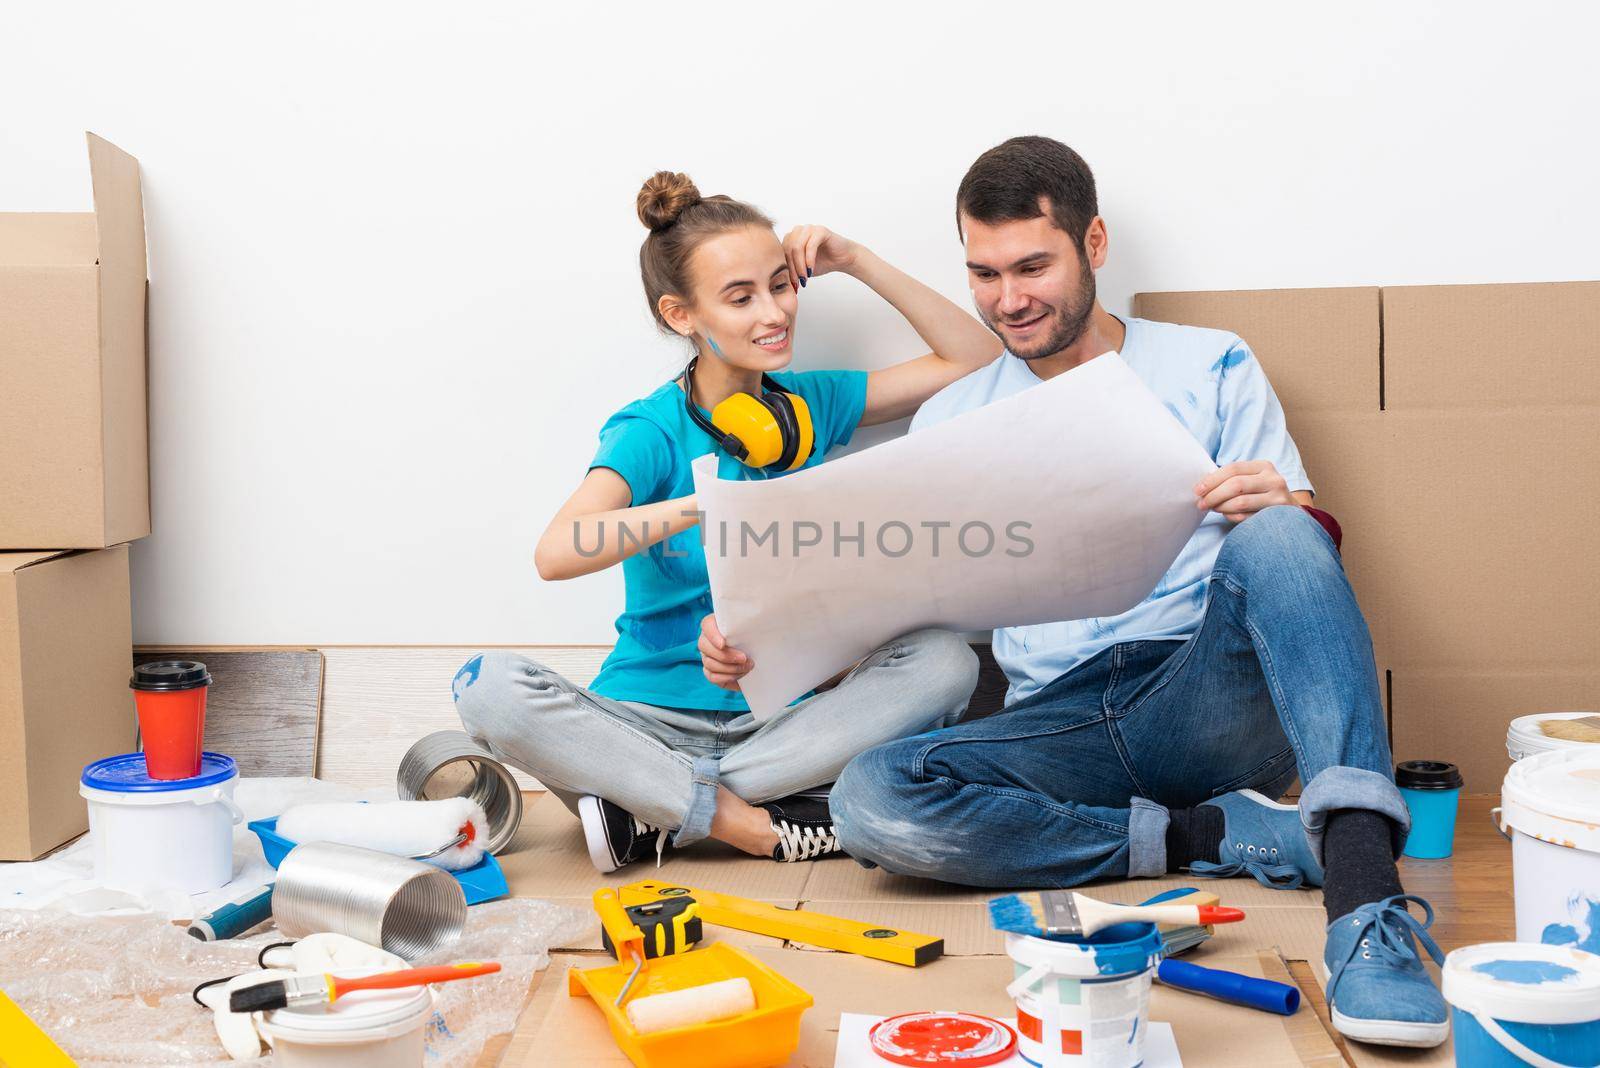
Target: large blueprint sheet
{"x":1066,"y":501}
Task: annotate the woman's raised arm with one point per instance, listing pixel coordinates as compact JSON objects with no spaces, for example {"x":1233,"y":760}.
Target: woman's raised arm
{"x":961,"y":344}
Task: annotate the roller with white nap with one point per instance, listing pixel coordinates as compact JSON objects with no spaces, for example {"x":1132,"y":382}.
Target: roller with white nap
{"x":449,"y":833}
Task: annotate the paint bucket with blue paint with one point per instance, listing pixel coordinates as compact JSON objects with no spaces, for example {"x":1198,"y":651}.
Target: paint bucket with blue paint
{"x":1515,"y":1004}
{"x":1550,"y":809}
{"x":1431,"y":789}
{"x":1084,"y":1002}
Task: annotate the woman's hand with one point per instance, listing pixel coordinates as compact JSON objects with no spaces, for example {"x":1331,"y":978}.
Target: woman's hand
{"x":814,"y":250}
{"x":723,"y":665}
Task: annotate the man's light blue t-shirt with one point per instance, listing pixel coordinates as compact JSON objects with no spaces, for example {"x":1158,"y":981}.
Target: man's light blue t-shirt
{"x":651,"y":443}
{"x":1212,"y":383}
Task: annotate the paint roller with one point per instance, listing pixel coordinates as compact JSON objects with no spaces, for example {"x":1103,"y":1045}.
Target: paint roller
{"x":704,"y":1003}
{"x":449,"y":833}
{"x":412,"y":829}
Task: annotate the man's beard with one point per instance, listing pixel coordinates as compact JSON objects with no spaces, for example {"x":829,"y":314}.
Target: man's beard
{"x":1070,"y":322}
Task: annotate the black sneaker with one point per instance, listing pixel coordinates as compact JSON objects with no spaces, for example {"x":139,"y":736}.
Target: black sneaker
{"x":804,"y":829}
{"x":617,"y":837}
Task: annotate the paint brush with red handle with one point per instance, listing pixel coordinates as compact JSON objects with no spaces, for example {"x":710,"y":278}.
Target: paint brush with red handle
{"x":325,"y":989}
{"x":1057,"y":913}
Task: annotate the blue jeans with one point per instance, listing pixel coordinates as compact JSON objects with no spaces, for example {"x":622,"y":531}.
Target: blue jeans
{"x":1074,"y":782}
{"x":664,"y":764}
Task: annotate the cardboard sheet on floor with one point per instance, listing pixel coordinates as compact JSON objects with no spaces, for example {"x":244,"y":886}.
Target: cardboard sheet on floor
{"x":567,"y":1032}
{"x":548,"y":859}
{"x":1105,"y":506}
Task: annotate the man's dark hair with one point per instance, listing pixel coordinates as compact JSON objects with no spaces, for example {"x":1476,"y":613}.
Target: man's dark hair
{"x":1006,"y":182}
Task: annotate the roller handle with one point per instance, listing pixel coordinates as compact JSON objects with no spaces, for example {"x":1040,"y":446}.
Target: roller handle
{"x":625,"y":934}
{"x":438,"y":973}
{"x":1246,"y":990}
{"x":235,"y":917}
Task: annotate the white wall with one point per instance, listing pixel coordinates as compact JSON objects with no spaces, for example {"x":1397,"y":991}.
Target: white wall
{"x":393,"y":250}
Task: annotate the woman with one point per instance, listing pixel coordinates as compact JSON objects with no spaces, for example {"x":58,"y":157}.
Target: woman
{"x":662,"y":740}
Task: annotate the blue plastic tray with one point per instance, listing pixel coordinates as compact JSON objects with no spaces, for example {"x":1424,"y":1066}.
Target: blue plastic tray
{"x":484,"y":881}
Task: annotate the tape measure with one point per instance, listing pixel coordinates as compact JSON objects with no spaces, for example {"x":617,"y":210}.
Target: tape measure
{"x":797,"y":925}
{"x":671,"y":925}
{"x":950,"y":1038}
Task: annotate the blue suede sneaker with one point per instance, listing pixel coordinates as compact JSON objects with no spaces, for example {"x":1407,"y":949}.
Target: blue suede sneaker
{"x":1378,"y":990}
{"x":1264,"y":839}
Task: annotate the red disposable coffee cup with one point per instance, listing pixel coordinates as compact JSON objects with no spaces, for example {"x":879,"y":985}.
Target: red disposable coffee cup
{"x":170,"y":696}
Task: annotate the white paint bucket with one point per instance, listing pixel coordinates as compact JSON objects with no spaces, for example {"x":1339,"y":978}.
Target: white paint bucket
{"x":1516,"y":1005}
{"x":364,"y":1029}
{"x":1085,"y":1002}
{"x":1550,"y":808}
{"x":1525,"y":738}
{"x":161,"y":834}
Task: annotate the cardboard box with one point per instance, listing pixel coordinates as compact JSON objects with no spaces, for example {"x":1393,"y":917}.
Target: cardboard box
{"x":66,"y":636}
{"x":1453,"y":432}
{"x":74,"y":456}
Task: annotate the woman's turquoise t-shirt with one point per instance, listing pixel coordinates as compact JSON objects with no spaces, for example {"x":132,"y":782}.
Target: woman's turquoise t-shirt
{"x":651,"y":444}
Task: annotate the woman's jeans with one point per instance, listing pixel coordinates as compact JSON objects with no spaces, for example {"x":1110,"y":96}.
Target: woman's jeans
{"x":663,"y":765}
{"x":1074,"y":782}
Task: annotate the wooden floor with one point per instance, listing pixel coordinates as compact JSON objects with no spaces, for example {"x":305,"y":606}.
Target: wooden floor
{"x":1470,"y":891}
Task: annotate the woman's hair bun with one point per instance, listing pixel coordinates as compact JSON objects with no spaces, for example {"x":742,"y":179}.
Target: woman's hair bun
{"x":664,"y":196}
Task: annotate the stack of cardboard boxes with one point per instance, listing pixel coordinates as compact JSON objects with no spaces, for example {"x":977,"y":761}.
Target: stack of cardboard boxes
{"x":74,"y":490}
{"x":1453,"y":431}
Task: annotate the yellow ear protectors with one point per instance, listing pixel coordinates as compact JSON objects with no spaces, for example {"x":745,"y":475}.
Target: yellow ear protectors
{"x":772,"y":430}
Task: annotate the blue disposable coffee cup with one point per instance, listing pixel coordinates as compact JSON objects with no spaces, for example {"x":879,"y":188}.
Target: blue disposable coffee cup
{"x":1431,"y":789}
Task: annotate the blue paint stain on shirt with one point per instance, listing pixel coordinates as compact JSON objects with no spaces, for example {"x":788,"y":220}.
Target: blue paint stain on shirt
{"x":1173,"y":408}
{"x":1232,"y":358}
{"x":466,"y":676}
{"x":1531,"y":972}
{"x":1190,"y":399}
{"x":1565,"y":934}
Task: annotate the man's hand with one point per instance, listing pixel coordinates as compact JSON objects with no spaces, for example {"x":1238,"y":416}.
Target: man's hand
{"x":1239,"y":490}
{"x":723,"y":664}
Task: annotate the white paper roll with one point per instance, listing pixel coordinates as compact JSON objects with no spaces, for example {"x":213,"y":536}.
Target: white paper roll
{"x":691,"y":1005}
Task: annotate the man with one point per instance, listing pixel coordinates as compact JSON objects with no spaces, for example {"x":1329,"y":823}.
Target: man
{"x":1153,"y":741}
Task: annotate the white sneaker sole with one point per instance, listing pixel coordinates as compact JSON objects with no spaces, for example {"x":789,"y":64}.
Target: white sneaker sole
{"x":1261,"y":799}
{"x":594,"y":834}
{"x":1408,"y":1033}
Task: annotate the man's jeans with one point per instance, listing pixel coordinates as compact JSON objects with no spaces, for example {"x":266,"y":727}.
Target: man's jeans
{"x":663,"y":765}
{"x":1074,"y":782}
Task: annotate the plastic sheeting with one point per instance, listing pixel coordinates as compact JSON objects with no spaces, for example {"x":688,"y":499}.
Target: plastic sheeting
{"x":115,"y":990}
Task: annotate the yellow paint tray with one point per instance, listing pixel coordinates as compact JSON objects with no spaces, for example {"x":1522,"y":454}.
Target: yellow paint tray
{"x":766,"y":1035}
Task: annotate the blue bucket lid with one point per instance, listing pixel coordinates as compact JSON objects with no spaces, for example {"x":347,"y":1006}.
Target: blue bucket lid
{"x":126,"y":774}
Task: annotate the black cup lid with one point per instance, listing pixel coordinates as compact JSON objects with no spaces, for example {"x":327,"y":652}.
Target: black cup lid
{"x":1427,"y":775}
{"x":170,"y":675}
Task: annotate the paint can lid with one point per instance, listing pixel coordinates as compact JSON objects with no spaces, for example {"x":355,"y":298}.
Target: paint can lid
{"x":126,"y":774}
{"x":1427,"y":775}
{"x":1524,"y":982}
{"x":1555,"y":797}
{"x":953,"y":1038}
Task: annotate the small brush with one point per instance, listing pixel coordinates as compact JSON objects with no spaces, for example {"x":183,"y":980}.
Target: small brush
{"x":1580,"y":729}
{"x":1058,"y":913}
{"x":325,"y":989}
